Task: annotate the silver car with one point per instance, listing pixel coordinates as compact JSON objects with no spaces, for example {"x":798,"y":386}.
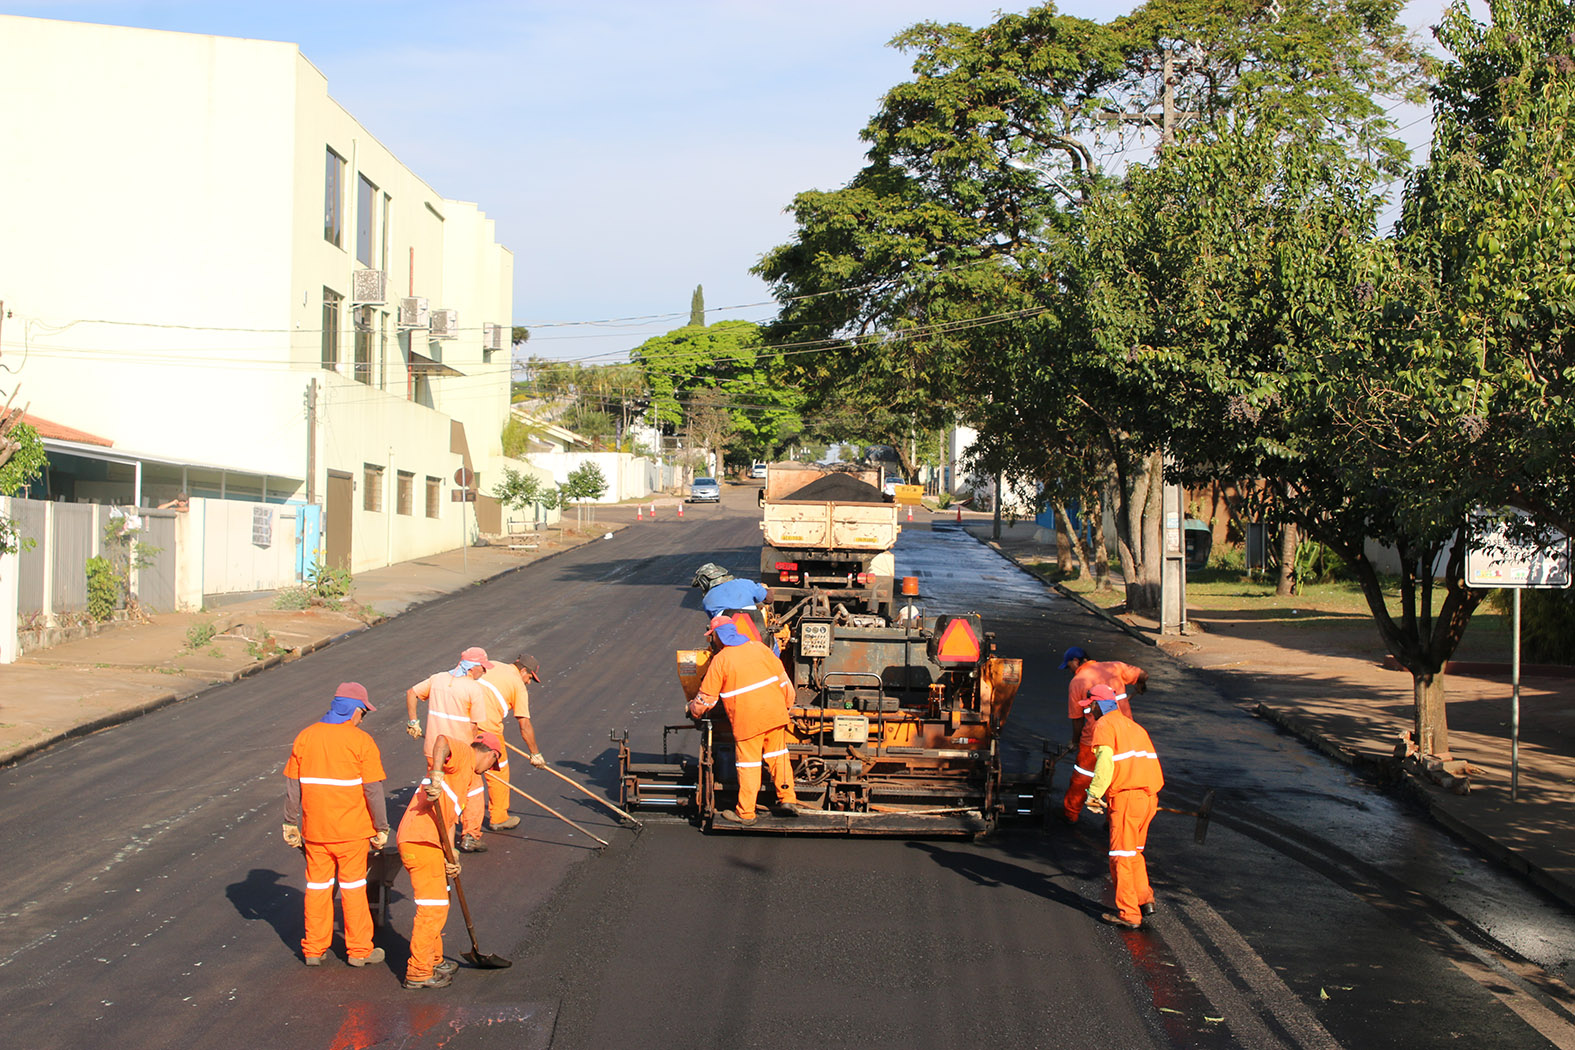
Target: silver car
{"x":705,"y":490}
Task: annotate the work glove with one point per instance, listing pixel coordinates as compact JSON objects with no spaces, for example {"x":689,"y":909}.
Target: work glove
{"x":292,"y":836}
{"x":413,"y":728}
{"x":434,"y":787}
{"x":380,"y":839}
{"x":537,"y":761}
{"x":451,"y":868}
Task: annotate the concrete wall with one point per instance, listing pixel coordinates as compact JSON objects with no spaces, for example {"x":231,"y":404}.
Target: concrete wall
{"x":243,"y":546}
{"x":628,"y":476}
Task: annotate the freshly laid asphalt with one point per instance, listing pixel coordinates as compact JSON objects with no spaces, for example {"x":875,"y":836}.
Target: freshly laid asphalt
{"x":1345,"y":704}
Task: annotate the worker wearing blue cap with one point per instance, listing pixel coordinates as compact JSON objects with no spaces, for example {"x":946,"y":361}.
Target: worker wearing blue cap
{"x":1087,"y":673}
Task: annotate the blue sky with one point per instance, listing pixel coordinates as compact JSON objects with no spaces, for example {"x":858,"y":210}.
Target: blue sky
{"x":627,"y":150}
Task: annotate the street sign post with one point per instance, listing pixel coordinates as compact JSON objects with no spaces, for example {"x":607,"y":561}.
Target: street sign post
{"x":1508,"y":549}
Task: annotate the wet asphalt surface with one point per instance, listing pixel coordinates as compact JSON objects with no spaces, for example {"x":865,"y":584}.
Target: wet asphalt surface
{"x":149,"y":901}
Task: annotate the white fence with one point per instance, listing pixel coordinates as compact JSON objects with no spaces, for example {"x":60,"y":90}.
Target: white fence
{"x":628,"y":476}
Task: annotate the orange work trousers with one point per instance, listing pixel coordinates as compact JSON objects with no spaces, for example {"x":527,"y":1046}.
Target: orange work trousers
{"x":1130,"y":814}
{"x":429,"y":890}
{"x":768,"y":748}
{"x":326,"y":863}
{"x":1077,"y":790}
{"x":475,"y":806}
{"x":498,"y":794}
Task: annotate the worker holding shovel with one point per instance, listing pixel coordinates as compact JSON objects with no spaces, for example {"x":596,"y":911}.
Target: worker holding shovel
{"x":425,"y":847}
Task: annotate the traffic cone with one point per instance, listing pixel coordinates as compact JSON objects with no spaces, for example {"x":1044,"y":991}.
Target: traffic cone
{"x":680,"y":510}
{"x":653,"y":510}
{"x":959,"y":513}
{"x":910,"y":512}
{"x":639,"y":513}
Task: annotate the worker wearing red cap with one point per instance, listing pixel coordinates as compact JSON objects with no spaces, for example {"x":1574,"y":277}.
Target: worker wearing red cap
{"x":1126,"y":769}
{"x":427,"y":823}
{"x":1087,"y":673}
{"x":456,"y":704}
{"x":756,"y":693}
{"x":507,"y":695}
{"x":334,"y":806}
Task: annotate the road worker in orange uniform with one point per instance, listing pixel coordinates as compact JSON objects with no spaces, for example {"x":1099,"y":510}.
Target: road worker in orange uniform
{"x":334,"y":807}
{"x":756,"y":693}
{"x":1126,"y":769}
{"x":507,"y":695}
{"x":1086,"y":674}
{"x":456,"y":705}
{"x":430,"y":817}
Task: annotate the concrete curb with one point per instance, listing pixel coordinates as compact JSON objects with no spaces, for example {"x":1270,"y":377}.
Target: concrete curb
{"x":139,"y":709}
{"x":1377,"y":768}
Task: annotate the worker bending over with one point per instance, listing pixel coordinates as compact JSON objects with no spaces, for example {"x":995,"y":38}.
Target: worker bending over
{"x":756,"y":693}
{"x":334,"y":807}
{"x":427,"y":824}
{"x":507,"y":695}
{"x":456,"y":704}
{"x":1086,"y":674}
{"x":1127,"y":769}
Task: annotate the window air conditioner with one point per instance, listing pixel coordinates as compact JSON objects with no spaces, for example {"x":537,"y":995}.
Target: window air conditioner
{"x":414,"y":313}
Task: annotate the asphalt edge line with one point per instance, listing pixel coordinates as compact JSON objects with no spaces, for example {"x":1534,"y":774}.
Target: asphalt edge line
{"x":1374,"y":768}
{"x":126,"y":714}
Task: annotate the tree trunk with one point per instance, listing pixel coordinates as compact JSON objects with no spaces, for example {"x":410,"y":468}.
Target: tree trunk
{"x":1096,"y":537}
{"x":1290,"y":539}
{"x":1071,"y":540}
{"x":995,"y":531}
{"x":1219,"y":518}
{"x":1431,"y":724}
{"x":1139,"y":532}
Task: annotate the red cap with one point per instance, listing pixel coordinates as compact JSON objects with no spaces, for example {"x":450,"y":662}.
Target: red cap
{"x":718,"y":620}
{"x":1101,"y":692}
{"x":477,"y":655}
{"x":355,"y":691}
{"x":491,"y":740}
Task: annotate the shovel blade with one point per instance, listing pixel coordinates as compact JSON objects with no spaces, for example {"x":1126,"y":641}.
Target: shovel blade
{"x":1205,"y":811}
{"x":484,"y":961}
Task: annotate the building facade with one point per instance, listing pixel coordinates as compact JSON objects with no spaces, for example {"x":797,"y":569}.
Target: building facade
{"x":214,"y":267}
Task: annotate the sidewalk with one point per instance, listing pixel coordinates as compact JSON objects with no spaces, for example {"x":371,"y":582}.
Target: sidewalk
{"x":125,"y":671}
{"x":1326,"y":682}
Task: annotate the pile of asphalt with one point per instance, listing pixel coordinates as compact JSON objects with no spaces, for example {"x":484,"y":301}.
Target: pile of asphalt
{"x":839,"y":488}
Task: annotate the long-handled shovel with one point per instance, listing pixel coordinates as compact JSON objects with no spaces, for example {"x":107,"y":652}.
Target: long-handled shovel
{"x":1203,"y":813}
{"x":572,"y":783}
{"x":546,"y":807}
{"x":476,"y":957}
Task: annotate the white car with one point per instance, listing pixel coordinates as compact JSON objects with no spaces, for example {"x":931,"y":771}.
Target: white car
{"x":757,"y":470}
{"x":705,"y":490}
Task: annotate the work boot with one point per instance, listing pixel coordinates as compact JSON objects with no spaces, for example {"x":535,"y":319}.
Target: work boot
{"x":371,"y":958}
{"x":447,"y":966}
{"x":471,"y":844}
{"x":735,"y":815}
{"x":1115,"y":920}
{"x":317,"y":960}
{"x":1147,"y":909}
{"x":785,"y":809}
{"x":505,"y":825}
{"x":437,"y":980}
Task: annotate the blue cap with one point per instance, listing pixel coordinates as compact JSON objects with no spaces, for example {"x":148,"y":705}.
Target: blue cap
{"x":1074,"y":653}
{"x":1104,"y":707}
{"x":464,"y":668}
{"x":729,"y":634}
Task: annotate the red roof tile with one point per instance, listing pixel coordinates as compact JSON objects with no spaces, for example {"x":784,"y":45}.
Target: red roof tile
{"x":59,"y":432}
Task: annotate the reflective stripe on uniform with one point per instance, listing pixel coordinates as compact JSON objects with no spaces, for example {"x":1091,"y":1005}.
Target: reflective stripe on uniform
{"x":447,"y":717}
{"x":479,"y":789}
{"x":426,"y":781}
{"x":503,"y":763}
{"x":352,"y":885}
{"x":441,"y":902}
{"x":320,"y":885}
{"x":1136,"y":754}
{"x":747,"y":765}
{"x":773,"y":680}
{"x":494,"y":691}
{"x":1079,"y":769}
{"x":775,"y":754}
{"x":1123,"y":853}
{"x":332,"y":783}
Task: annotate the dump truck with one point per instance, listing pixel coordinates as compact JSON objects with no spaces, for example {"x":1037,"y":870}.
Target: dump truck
{"x":897,"y":716}
{"x":828,"y":533}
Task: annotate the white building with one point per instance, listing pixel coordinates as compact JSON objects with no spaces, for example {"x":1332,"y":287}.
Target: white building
{"x":199,"y":243}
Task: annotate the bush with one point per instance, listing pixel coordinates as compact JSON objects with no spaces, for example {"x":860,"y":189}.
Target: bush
{"x":102,"y":587}
{"x":1228,"y":558}
{"x":331,"y":586}
{"x":1547,"y":623}
{"x":292,"y":598}
{"x":199,"y":635}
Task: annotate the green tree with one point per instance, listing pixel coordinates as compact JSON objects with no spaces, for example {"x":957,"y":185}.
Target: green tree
{"x":697,"y":307}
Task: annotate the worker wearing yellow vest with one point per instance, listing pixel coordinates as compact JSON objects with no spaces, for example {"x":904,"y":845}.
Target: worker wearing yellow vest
{"x":755,"y":691}
{"x":334,"y":806}
{"x":1127,"y":770}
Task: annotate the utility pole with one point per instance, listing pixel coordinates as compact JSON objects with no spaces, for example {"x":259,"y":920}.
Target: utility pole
{"x":311,"y":441}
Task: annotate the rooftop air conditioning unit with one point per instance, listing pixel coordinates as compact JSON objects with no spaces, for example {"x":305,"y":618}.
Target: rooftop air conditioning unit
{"x":493,"y":337}
{"x":445,"y":324}
{"x":414,"y":313}
{"x":369,"y":286}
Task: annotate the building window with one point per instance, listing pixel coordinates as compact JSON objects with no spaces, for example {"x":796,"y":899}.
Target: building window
{"x":334,"y":200}
{"x":371,"y":487}
{"x":406,"y":492}
{"x":382,"y":351}
{"x":365,"y":206}
{"x":363,"y":344}
{"x":434,"y":496}
{"x":331,"y":301}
